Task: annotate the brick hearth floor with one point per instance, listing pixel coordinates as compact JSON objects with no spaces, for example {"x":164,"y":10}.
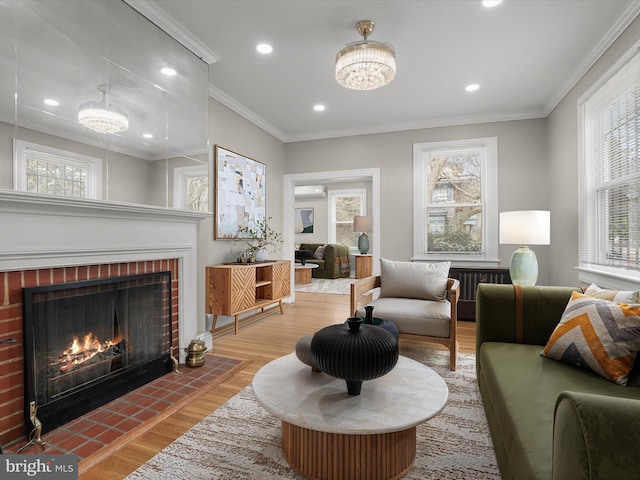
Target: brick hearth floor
{"x":89,"y":433}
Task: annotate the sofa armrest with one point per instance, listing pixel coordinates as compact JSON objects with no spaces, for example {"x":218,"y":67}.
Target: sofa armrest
{"x":329,"y":256}
{"x":596,"y":437}
{"x":496,"y":312}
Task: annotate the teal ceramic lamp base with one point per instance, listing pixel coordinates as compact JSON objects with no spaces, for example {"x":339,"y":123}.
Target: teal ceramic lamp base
{"x":524,"y":266}
{"x":363,"y":243}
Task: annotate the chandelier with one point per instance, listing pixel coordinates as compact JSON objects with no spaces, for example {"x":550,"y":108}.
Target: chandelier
{"x":102,"y":116}
{"x":365,"y":65}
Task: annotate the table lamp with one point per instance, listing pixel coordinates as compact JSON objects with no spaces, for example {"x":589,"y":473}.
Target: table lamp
{"x":525,"y":227}
{"x":364,"y":224}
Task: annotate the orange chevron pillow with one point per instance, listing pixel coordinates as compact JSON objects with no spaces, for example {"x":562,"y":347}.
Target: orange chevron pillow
{"x":597,"y":335}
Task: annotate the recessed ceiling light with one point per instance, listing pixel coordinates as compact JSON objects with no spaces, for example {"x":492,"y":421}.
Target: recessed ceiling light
{"x":491,"y":3}
{"x":51,"y":102}
{"x":168,"y":71}
{"x":472,"y":88}
{"x":319,"y":108}
{"x":147,"y":135}
{"x":264,"y":48}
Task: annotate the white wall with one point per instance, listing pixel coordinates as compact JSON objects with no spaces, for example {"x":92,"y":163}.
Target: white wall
{"x":563,"y":157}
{"x":230,"y":130}
{"x":522,"y":165}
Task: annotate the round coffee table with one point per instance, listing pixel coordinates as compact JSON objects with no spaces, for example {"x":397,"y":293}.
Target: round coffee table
{"x":327,"y":433}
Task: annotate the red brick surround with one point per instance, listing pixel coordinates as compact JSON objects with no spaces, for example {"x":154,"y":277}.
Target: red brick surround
{"x":11,"y":325}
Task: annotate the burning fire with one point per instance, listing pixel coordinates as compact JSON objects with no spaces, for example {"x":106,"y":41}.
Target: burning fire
{"x":79,"y":351}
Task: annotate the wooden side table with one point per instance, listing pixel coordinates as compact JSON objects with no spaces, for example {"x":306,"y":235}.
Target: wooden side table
{"x":364,"y":265}
{"x":303,"y":273}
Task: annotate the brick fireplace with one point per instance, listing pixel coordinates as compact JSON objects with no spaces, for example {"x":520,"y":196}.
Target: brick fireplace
{"x":11,"y":325}
{"x":50,"y":241}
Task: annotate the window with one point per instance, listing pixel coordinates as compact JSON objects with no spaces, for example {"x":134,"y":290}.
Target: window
{"x":610,"y":171}
{"x":343,"y":206}
{"x":191,"y":188}
{"x":455,"y":201}
{"x":46,"y":170}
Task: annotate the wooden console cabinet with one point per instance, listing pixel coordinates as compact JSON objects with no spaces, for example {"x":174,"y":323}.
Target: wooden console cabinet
{"x":234,"y":289}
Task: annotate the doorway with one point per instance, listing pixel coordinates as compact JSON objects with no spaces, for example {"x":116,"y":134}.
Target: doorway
{"x":291,"y":180}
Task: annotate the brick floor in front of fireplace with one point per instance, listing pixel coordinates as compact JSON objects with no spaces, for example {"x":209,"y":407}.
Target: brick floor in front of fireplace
{"x":89,"y":433}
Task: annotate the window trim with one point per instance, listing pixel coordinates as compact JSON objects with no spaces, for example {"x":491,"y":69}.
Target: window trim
{"x":92,"y":164}
{"x":603,"y":275}
{"x":333,"y":194}
{"x":488,"y":258}
{"x":179,"y":175}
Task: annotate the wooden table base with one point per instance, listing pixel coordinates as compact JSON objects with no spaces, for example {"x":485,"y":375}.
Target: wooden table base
{"x":303,"y":276}
{"x":321,"y":455}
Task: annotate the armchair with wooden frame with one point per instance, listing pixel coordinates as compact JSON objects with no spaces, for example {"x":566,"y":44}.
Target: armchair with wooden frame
{"x":434,"y":317}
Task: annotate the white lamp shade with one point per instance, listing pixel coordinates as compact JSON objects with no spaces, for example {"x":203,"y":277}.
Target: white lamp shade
{"x":362,"y":223}
{"x":525,"y":227}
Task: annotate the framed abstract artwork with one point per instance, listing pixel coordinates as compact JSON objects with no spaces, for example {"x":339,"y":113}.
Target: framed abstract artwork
{"x":304,"y":220}
{"x":240,"y":197}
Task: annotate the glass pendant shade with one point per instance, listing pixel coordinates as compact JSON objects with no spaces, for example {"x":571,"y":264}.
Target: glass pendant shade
{"x":102,"y":116}
{"x":365,"y":65}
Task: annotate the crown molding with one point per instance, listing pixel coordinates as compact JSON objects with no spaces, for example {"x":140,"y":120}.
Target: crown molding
{"x":628,"y":16}
{"x":152,"y":12}
{"x":404,"y":126}
{"x":243,"y":111}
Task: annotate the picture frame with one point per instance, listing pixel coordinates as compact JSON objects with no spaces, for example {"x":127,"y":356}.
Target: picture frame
{"x":241,"y":193}
{"x":304,"y":220}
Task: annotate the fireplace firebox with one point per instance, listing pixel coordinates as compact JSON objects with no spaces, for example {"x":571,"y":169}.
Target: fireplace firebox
{"x":87,"y":343}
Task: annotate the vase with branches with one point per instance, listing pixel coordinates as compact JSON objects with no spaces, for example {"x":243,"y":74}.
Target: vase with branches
{"x":260,"y":239}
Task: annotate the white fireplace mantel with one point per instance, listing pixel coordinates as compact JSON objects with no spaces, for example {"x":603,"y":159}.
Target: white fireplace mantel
{"x":39,"y":231}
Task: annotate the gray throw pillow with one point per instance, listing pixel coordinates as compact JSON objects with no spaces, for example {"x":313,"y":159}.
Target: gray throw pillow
{"x":426,"y":281}
{"x":319,"y":253}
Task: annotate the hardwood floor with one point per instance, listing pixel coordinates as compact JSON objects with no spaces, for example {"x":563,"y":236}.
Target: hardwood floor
{"x":260,"y":340}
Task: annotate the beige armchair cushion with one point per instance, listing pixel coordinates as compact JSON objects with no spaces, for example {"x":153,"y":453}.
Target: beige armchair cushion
{"x":418,"y":317}
{"x":426,"y":281}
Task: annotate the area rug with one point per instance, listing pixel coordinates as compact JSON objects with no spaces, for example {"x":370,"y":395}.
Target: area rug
{"x":240,"y":440}
{"x":339,"y":286}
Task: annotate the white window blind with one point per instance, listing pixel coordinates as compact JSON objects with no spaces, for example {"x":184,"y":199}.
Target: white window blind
{"x":610,"y":219}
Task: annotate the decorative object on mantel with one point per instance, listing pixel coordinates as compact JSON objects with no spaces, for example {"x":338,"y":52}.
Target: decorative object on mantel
{"x":260,"y":239}
{"x":366,"y":64}
{"x":363,"y":224}
{"x":525,"y":227}
{"x":354,"y":352}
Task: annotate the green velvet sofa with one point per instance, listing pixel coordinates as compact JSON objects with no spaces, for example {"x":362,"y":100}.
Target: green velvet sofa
{"x":336,"y":261}
{"x":548,"y":419}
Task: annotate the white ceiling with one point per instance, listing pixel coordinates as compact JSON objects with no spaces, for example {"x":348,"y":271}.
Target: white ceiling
{"x":525,"y":54}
